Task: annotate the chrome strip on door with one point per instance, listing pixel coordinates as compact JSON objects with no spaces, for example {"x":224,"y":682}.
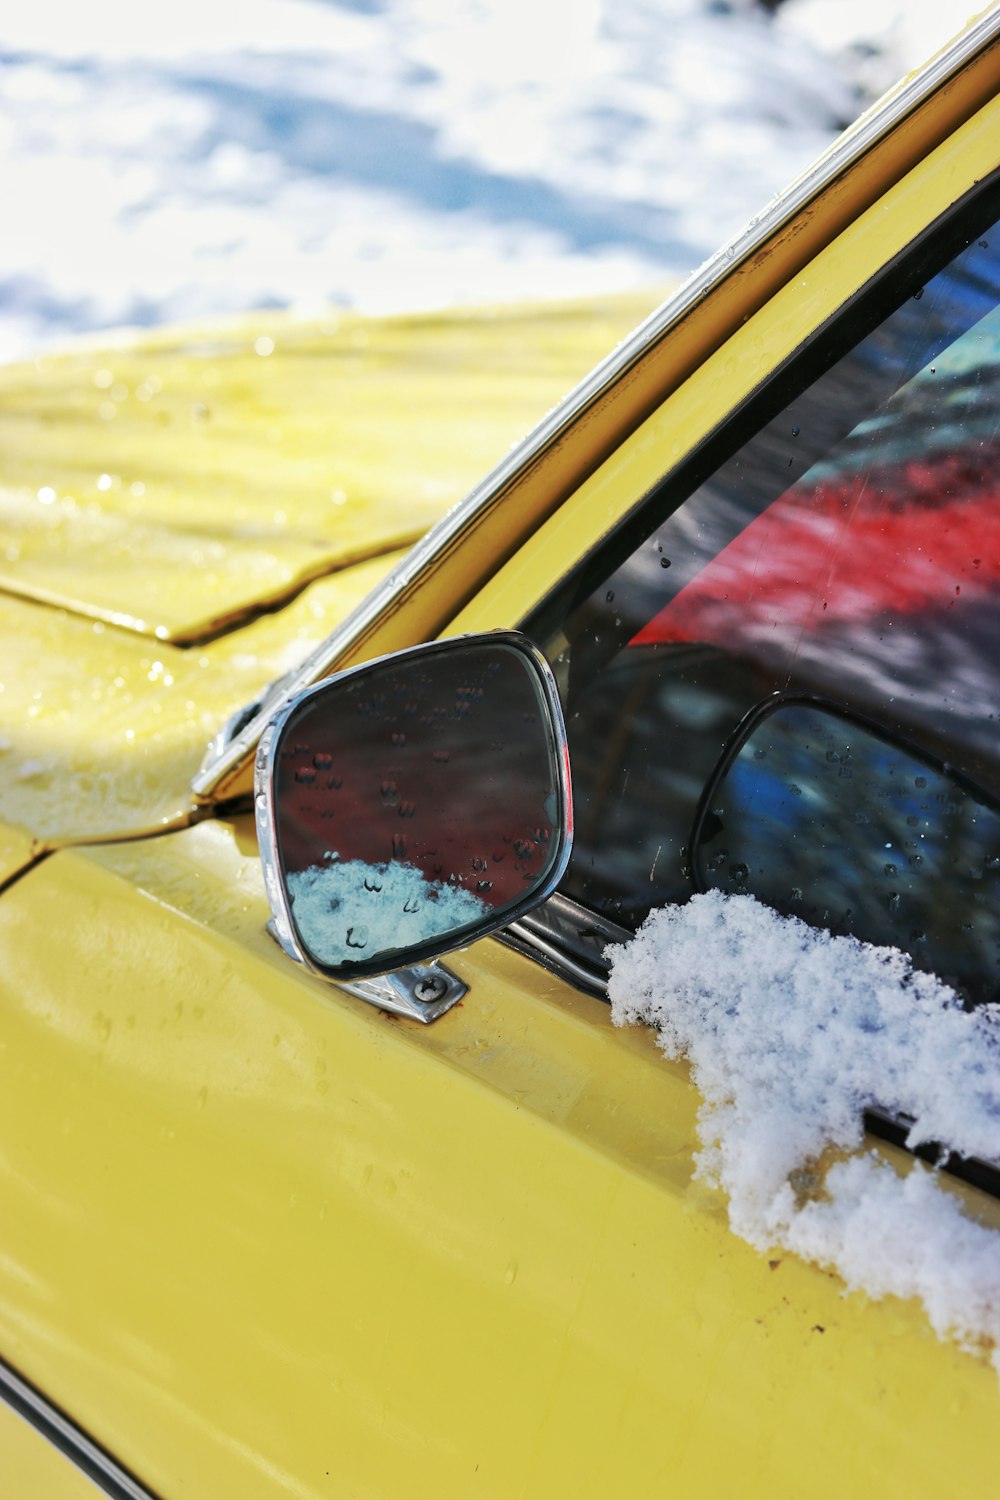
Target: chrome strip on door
{"x":72,"y":1441}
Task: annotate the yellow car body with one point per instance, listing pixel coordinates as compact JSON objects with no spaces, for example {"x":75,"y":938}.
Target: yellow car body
{"x":256,"y":1238}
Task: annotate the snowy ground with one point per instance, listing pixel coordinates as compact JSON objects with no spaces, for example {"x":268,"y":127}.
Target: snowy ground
{"x":389,"y":154}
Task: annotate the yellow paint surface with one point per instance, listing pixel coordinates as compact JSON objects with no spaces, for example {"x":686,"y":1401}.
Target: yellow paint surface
{"x":32,"y":1469}
{"x":262,"y":1240}
{"x":102,"y":730}
{"x":175,"y":480}
{"x":222,"y":479}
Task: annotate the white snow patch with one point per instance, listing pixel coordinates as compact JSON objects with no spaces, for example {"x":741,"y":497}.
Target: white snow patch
{"x":397,"y":154}
{"x":352,"y":912}
{"x":791,"y":1034}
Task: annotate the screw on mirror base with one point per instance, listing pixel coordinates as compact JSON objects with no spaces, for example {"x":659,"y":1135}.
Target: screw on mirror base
{"x":422,"y":993}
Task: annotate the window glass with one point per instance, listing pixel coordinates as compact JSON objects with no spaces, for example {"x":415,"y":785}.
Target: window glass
{"x":848,"y":551}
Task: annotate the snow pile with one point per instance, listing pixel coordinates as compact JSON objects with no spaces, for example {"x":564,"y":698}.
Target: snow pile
{"x":400,"y":154}
{"x":353,"y":912}
{"x":791,"y":1035}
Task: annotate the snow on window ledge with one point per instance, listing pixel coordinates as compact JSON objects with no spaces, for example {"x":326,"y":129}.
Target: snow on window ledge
{"x":791,"y":1035}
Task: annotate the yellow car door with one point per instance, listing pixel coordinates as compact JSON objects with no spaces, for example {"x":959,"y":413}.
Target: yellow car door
{"x":259,"y":1238}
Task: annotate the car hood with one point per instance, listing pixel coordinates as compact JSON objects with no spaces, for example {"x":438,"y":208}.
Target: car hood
{"x":184,"y":516}
{"x":175,"y":487}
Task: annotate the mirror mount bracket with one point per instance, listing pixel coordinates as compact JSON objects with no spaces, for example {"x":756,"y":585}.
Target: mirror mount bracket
{"x":422,"y":993}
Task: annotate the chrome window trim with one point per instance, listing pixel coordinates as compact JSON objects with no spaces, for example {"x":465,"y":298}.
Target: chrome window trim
{"x":71,"y":1441}
{"x":226,"y":753}
{"x":577,"y":974}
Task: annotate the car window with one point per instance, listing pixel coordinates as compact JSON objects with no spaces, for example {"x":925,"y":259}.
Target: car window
{"x":839,"y":541}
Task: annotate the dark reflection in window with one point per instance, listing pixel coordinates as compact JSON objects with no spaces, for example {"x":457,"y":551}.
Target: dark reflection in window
{"x":850,"y":549}
{"x":827,"y":819}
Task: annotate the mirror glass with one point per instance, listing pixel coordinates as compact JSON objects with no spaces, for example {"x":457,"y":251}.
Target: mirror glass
{"x":835,"y":822}
{"x":419,"y":800}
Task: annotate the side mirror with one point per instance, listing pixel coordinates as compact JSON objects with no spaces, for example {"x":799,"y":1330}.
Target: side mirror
{"x":838,"y":821}
{"x":413,"y":804}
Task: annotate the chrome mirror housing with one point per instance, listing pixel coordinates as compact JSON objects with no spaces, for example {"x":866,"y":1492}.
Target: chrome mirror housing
{"x":412,"y":804}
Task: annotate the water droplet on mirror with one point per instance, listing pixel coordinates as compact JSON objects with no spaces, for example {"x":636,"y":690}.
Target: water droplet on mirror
{"x":399,"y":846}
{"x":441,"y":757}
{"x":372,"y":884}
{"x":739,"y":872}
{"x":893,"y":903}
{"x":306,"y":775}
{"x":322,"y":760}
{"x":484,"y":885}
{"x":357,"y":937}
{"x":664,"y":562}
{"x":406,"y":809}
{"x":411,"y":904}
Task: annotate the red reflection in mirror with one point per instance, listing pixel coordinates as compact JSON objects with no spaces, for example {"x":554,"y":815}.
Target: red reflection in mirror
{"x":415,"y":797}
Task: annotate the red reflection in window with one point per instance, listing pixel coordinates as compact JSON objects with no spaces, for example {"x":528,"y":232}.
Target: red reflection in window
{"x":922,"y":536}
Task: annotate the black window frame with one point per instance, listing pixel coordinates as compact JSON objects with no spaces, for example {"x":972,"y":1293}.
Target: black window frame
{"x":564,"y":935}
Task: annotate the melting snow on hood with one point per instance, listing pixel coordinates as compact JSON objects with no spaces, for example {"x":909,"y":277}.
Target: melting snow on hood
{"x":791,"y":1034}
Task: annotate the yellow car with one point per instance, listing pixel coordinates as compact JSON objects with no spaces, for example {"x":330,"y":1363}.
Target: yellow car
{"x":400,"y":1211}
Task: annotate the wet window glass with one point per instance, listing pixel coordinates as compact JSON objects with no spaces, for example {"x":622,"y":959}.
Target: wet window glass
{"x":848,"y":551}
